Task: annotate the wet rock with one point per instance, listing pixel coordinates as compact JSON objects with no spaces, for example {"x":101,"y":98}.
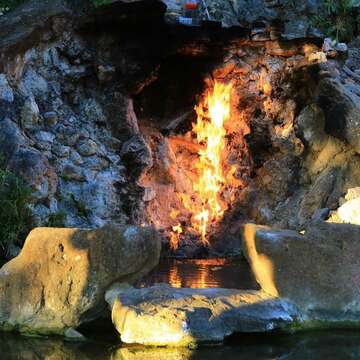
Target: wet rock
{"x":59,"y":279}
{"x":165,"y":316}
{"x":316,"y":271}
{"x":6,"y":92}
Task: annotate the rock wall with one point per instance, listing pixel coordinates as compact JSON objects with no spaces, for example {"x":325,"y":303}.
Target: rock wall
{"x":64,"y":119}
{"x":266,"y":19}
{"x":70,"y":128}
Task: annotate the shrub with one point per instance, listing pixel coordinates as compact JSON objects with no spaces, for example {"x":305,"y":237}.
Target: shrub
{"x":57,"y":219}
{"x":6,"y":5}
{"x":339,"y":19}
{"x":15,"y":215}
{"x":101,"y":2}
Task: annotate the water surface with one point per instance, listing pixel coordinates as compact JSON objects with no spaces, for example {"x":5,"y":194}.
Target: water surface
{"x":202,"y":273}
{"x":319,"y":345}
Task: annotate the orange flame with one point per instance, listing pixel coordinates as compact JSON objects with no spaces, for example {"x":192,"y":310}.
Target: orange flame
{"x":174,"y":236}
{"x":210,"y":132}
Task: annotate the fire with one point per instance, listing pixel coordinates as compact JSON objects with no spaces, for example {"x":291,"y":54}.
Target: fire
{"x":206,"y":207}
{"x":174,"y":236}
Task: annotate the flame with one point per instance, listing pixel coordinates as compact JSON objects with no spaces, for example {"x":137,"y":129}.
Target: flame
{"x":174,"y":236}
{"x":210,"y":132}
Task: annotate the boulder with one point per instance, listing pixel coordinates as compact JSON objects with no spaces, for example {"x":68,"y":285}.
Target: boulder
{"x":311,"y":126}
{"x":59,"y":279}
{"x":317,"y":271}
{"x":162,"y":316}
{"x":342,"y":111}
{"x":349,"y":211}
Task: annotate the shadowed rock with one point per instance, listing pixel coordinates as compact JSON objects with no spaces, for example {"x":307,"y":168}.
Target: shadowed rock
{"x":59,"y":279}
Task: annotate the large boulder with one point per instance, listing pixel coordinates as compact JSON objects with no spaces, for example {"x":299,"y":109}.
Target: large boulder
{"x":162,"y":316}
{"x":342,"y":111}
{"x":60,"y":277}
{"x":349,"y":211}
{"x":317,"y":271}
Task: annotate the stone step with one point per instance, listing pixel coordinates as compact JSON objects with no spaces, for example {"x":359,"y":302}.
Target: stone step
{"x":162,"y":316}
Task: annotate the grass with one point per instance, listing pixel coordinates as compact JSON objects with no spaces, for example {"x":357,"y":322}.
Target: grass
{"x":15,"y":215}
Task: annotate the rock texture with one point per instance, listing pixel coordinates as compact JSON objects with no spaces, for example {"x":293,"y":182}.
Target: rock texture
{"x":273,"y":19}
{"x":162,"y":316}
{"x":349,"y":211}
{"x":78,"y":97}
{"x":59,"y":279}
{"x":316,"y":271}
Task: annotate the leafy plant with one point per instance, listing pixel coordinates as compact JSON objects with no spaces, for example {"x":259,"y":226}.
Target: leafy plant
{"x":101,"y":2}
{"x":339,"y":19}
{"x":7,"y":5}
{"x":15,"y":215}
{"x":80,"y":207}
{"x":57,"y":219}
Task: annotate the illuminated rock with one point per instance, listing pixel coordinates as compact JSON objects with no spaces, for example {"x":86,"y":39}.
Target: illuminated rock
{"x":317,"y":271}
{"x":59,"y":279}
{"x":161,"y":315}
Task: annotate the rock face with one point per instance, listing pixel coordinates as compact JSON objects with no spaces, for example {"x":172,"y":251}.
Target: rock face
{"x":342,"y":111}
{"x":59,"y":279}
{"x":163,"y":316}
{"x":317,"y":271}
{"x":293,"y":19}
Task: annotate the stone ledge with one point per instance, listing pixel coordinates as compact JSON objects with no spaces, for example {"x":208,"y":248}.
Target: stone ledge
{"x":165,"y":316}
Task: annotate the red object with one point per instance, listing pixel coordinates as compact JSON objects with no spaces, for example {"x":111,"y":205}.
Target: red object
{"x":191,"y":5}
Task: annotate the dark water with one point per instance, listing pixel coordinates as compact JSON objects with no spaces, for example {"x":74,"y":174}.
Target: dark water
{"x":322,"y":346}
{"x":204,"y":273}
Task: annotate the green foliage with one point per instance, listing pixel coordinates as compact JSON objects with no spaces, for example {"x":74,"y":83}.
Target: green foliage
{"x":57,"y":219}
{"x":339,"y":20}
{"x":15,"y":215}
{"x":80,"y":207}
{"x":7,"y":5}
{"x":100,"y":2}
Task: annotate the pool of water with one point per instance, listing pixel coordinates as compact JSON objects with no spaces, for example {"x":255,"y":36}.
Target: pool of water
{"x":323,"y":346}
{"x":103,"y":342}
{"x":202,"y":273}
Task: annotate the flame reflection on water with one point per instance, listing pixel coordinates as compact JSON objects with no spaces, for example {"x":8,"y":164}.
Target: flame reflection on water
{"x":202,"y":273}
